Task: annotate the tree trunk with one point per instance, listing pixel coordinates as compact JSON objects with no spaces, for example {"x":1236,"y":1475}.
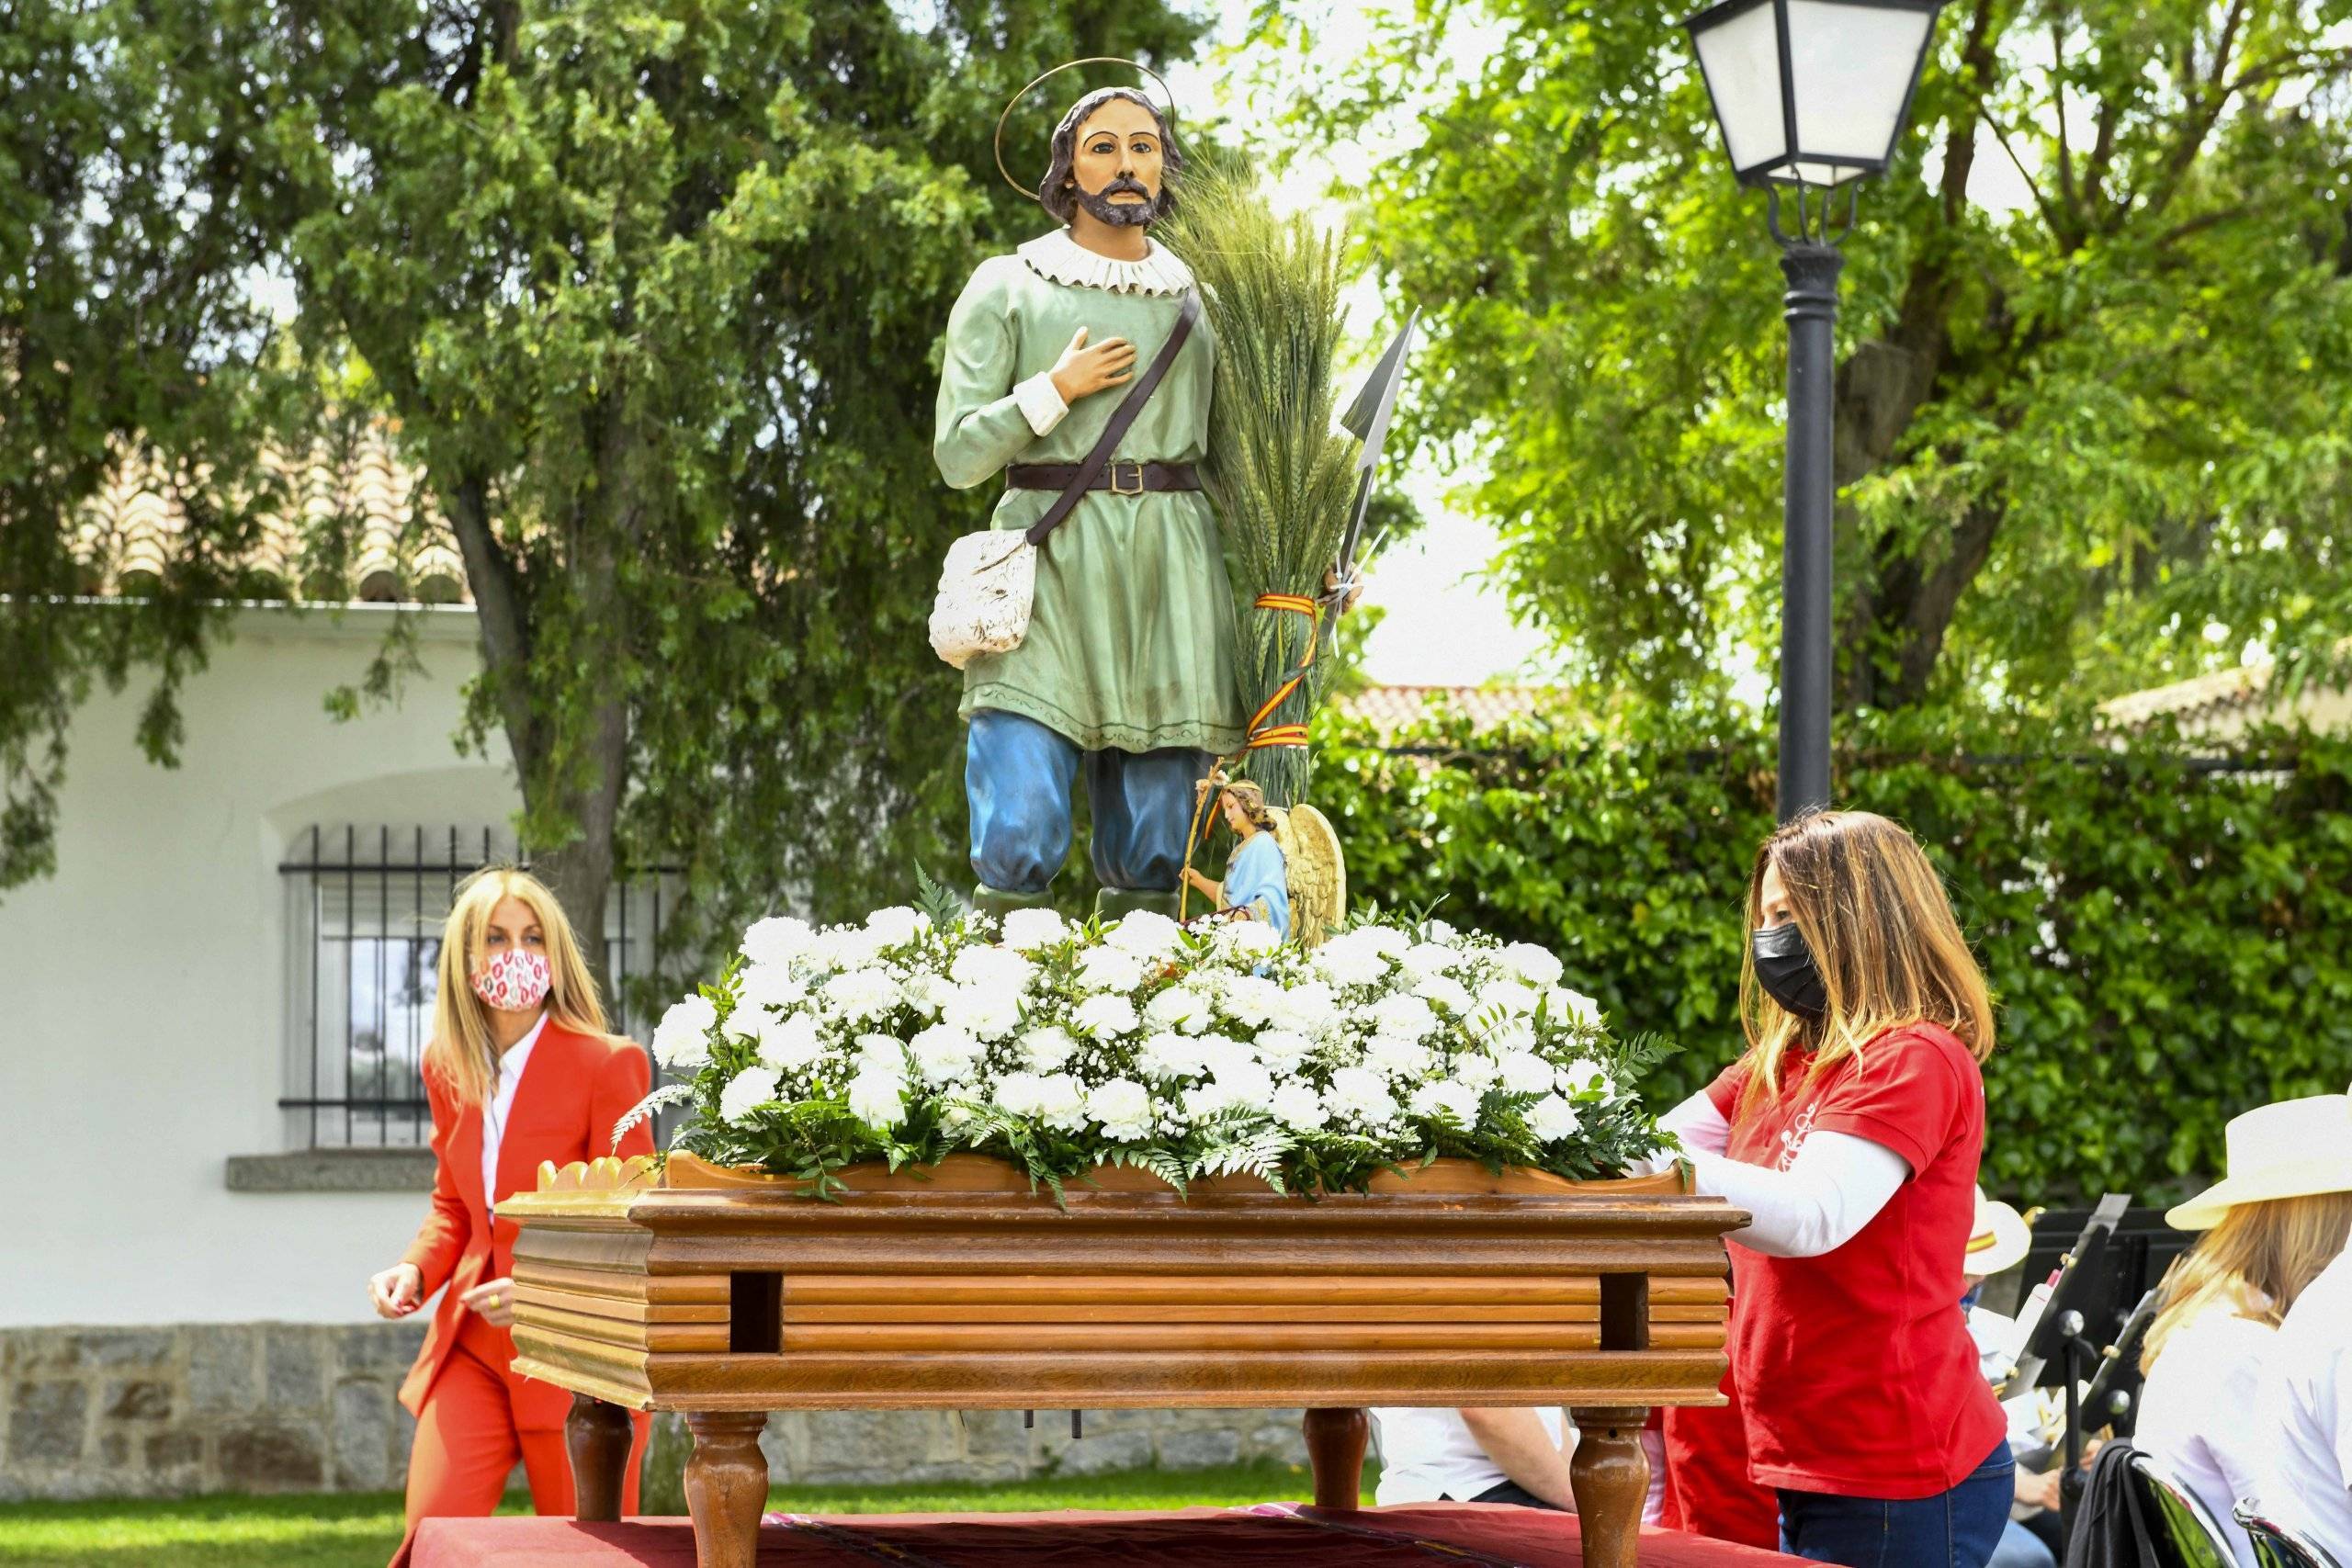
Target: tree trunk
{"x":580,"y":874}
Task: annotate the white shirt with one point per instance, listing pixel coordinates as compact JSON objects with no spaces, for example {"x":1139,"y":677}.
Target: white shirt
{"x":1426,"y":1454}
{"x":2305,"y":1400}
{"x":2196,"y":1412}
{"x":1836,"y":1184}
{"x":500,"y":1105}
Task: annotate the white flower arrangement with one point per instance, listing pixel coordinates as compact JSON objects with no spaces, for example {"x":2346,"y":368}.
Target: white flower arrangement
{"x":1186,"y":1051}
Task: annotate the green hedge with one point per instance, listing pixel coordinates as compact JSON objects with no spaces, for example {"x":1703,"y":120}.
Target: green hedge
{"x":2170,"y":942}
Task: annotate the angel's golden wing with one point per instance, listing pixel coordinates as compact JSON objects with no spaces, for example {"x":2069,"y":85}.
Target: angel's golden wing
{"x":1318,"y":873}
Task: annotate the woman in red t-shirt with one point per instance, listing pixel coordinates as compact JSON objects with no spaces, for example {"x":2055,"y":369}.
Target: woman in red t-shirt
{"x":1851,"y":1131}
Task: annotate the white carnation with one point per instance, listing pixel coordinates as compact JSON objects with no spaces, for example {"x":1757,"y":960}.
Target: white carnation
{"x":1445,"y":991}
{"x":1105,"y":1016}
{"x":1310,"y":1009}
{"x":1019,"y":1094}
{"x":1250,"y":1000}
{"x":1446,"y":1097}
{"x":1169,"y":1054}
{"x":1046,"y":1049}
{"x":1536,"y":966}
{"x":1360,"y":1095}
{"x":1122,"y":1107}
{"x":1025,"y":930}
{"x":1396,"y":1058}
{"x":1245,"y":940}
{"x":1061,"y":1102}
{"x":755,"y":1085}
{"x":1145,"y":934}
{"x":1524,"y":1072}
{"x":1179,"y":1007}
{"x":790,"y":1043}
{"x":1424,"y":959}
{"x":1509,"y":999}
{"x":1504,"y":1035}
{"x":778,"y":939}
{"x":1282,"y":1047}
{"x":1402,"y":1018}
{"x":1350,"y":961}
{"x":1478,"y":1070}
{"x":1246,"y":1083}
{"x":1109,"y":969}
{"x":877,"y":1097}
{"x":984,"y":1011}
{"x":844,"y":947}
{"x":682,"y":1039}
{"x":859,"y":995}
{"x":1573,"y":1006}
{"x":764,"y":986}
{"x":1440,"y":933}
{"x":1552,"y":1119}
{"x":897,"y":926}
{"x":943,"y":1054}
{"x":1387,"y":941}
{"x":1297,"y":1106}
{"x":929,"y":993}
{"x":1583,"y":1076}
{"x":995,"y":968}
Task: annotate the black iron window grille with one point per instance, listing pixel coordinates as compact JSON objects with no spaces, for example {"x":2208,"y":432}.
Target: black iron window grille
{"x":364,"y":907}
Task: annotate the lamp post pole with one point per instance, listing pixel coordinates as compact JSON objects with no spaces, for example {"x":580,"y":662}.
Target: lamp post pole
{"x":1806,"y":540}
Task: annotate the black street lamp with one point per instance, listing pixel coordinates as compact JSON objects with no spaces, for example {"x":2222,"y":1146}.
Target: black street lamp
{"x":1810,"y":94}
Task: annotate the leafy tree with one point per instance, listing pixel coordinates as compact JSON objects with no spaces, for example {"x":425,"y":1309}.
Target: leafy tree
{"x":650,"y":291}
{"x":2070,"y":435}
{"x":127,"y":335}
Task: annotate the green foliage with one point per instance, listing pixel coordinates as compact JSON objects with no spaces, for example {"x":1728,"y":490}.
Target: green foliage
{"x":1280,"y":474}
{"x":127,"y":335}
{"x":2072,"y":430}
{"x":2167,"y":944}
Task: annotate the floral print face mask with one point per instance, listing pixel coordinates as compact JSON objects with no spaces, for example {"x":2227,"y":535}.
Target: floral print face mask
{"x":516,"y":980}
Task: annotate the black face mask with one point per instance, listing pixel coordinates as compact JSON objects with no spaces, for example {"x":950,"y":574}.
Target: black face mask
{"x":1784,"y":967}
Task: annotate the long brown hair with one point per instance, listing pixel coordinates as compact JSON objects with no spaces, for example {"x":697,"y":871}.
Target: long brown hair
{"x":2258,"y":1260}
{"x":1875,"y":915}
{"x":461,"y":1050}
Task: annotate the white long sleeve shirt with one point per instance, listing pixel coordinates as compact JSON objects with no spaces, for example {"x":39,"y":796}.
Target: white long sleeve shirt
{"x":1836,"y":1184}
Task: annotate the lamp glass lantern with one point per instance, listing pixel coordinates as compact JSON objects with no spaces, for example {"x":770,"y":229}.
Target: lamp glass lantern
{"x":1812,"y":92}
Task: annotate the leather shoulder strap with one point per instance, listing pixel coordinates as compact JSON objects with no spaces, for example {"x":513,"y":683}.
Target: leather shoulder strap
{"x":1120,"y":418}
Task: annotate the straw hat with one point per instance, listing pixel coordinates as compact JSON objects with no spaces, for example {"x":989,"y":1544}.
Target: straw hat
{"x":1999,"y":1241}
{"x":2293,"y":1150}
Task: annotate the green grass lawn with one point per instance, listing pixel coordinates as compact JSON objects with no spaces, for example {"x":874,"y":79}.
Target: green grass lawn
{"x":361,"y":1530}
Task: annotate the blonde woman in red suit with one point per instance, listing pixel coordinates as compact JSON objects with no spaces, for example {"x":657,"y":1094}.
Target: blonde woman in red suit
{"x":520,"y":1070}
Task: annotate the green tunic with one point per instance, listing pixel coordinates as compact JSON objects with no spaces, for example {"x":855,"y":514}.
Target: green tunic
{"x":1131,"y":641}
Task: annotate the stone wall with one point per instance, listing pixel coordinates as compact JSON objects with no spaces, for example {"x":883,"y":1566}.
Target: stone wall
{"x":297,"y":1407}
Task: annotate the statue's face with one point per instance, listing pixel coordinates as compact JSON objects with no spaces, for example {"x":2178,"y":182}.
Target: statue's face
{"x":1115,"y":167}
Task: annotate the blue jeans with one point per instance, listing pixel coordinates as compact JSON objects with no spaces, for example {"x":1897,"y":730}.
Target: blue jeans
{"x":1017,"y":778}
{"x":1958,"y":1529}
{"x":2020,"y":1548}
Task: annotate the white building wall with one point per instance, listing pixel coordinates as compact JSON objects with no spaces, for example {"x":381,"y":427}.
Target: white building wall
{"x":143,"y":1020}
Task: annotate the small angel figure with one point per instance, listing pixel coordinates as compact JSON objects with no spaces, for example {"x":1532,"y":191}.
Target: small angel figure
{"x":1287,"y":869}
{"x":1256,"y":879}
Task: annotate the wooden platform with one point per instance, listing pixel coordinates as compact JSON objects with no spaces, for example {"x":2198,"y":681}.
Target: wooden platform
{"x":725,"y":1296}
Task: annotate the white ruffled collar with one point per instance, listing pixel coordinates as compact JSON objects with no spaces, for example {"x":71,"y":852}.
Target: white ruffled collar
{"x":1057,"y":258}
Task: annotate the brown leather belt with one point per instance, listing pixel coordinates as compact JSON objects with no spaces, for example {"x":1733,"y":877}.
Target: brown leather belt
{"x":1119,"y":477}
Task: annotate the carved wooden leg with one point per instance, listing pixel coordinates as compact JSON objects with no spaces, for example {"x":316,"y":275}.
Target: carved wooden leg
{"x":1335,"y":1439}
{"x":597,"y":1435}
{"x":1611,"y":1475}
{"x":727,"y":1486}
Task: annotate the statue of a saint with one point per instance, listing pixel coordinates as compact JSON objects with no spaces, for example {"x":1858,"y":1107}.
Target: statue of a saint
{"x":1126,"y":668}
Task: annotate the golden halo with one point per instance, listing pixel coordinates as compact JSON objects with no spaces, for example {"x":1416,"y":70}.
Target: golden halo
{"x":1091,"y":60}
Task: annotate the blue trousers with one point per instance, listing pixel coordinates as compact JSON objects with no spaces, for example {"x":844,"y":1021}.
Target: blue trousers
{"x":1958,"y":1529}
{"x":1017,"y":779}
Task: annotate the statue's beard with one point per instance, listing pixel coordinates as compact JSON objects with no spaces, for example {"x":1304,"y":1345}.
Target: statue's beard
{"x":1120,"y":214}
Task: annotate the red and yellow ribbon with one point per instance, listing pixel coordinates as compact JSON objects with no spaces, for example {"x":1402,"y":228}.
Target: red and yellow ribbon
{"x":1262,"y":734}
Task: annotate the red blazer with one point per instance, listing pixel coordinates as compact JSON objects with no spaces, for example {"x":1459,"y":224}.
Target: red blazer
{"x":574,"y":1089}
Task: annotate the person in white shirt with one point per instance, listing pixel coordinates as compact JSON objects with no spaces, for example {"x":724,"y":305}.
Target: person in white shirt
{"x":2304,"y":1479}
{"x":1436,"y":1455}
{"x":2273,"y":1225}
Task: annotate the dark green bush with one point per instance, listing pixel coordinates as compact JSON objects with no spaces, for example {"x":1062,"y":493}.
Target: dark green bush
{"x":2170,"y":936}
